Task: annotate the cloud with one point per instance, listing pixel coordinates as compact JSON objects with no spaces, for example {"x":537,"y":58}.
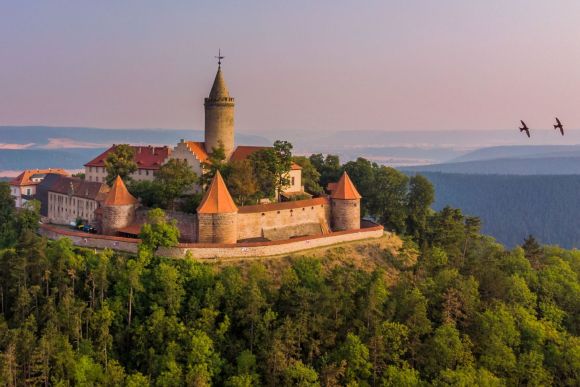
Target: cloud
{"x":16,"y":146}
{"x":60,"y":143}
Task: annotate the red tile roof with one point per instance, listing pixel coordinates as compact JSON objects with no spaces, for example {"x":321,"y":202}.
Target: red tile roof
{"x":242,"y":152}
{"x":345,"y":189}
{"x":146,"y":157}
{"x":119,"y":195}
{"x":25,"y":178}
{"x":217,"y":199}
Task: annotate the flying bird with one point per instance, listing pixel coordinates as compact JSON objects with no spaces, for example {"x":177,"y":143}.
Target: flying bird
{"x":559,"y":126}
{"x":525,"y":128}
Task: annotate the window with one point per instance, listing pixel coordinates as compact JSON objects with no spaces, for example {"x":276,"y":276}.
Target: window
{"x":292,"y":180}
{"x":28,"y":191}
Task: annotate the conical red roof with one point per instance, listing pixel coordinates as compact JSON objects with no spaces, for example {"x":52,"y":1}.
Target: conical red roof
{"x":217,"y":199}
{"x":345,"y":189}
{"x":119,"y":195}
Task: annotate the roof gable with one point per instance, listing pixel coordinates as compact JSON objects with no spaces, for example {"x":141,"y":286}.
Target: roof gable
{"x":217,"y":199}
{"x":345,"y":189}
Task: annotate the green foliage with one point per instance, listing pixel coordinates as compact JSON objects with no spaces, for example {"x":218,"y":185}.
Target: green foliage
{"x":458,"y":310}
{"x":158,"y":232}
{"x":310,"y":175}
{"x":120,"y":162}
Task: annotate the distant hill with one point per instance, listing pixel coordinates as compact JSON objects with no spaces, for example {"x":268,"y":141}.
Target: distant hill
{"x":519,"y":151}
{"x":77,"y":137}
{"x":508,"y":166}
{"x":511,"y":207}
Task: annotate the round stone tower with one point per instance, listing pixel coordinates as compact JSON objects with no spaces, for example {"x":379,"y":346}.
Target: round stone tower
{"x":219,"y":116}
{"x":345,"y":205}
{"x":118,"y":208}
{"x":217,"y":214}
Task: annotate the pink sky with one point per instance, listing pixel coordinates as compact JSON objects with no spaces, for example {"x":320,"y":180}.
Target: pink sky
{"x":308,"y":65}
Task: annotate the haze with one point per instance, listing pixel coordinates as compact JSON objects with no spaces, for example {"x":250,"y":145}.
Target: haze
{"x":292,"y":66}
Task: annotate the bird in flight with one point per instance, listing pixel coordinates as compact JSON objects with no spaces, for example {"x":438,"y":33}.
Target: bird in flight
{"x":525,"y":128}
{"x":559,"y":126}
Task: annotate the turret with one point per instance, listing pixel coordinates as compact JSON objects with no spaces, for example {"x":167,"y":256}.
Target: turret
{"x":219,"y":116}
{"x":345,"y":205}
{"x":217,"y":214}
{"x":118,"y":208}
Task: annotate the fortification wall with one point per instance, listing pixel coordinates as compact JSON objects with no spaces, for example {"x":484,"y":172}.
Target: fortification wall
{"x":345,"y":214}
{"x":279,"y":221}
{"x":218,"y":228}
{"x":116,"y":217}
{"x":212,"y":250}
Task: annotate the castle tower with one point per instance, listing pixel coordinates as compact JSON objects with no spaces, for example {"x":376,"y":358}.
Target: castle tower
{"x":118,"y":208}
{"x":345,"y":205}
{"x":219,"y":116}
{"x":217,"y":214}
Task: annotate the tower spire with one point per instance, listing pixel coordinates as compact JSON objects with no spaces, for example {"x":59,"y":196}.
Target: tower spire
{"x":219,"y":57}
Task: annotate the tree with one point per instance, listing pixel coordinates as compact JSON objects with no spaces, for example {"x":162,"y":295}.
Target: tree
{"x":175,"y":178}
{"x":158,"y":232}
{"x":328,"y":167}
{"x":7,"y":215}
{"x":216,"y":161}
{"x":310,"y":175}
{"x":283,"y":152}
{"x":264,"y":168}
{"x":241,"y":181}
{"x":120,"y":162}
{"x":419,"y":199}
{"x":356,"y":356}
{"x":388,"y":198}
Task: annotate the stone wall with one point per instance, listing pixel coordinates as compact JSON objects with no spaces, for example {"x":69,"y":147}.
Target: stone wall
{"x":213,"y":251}
{"x":116,"y":217}
{"x":345,"y":214}
{"x":217,"y":228}
{"x":278,"y":221}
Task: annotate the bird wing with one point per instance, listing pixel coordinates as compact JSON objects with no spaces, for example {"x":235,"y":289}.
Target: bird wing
{"x":523,"y":123}
{"x":558,"y":121}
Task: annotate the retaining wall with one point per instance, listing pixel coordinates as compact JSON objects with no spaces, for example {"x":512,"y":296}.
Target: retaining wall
{"x":212,"y":250}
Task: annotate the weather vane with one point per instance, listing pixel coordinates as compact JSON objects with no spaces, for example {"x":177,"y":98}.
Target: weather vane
{"x":220,"y":57}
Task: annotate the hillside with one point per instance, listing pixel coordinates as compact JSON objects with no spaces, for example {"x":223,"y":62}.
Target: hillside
{"x":539,"y":165}
{"x":461,"y":310}
{"x":512,"y":207}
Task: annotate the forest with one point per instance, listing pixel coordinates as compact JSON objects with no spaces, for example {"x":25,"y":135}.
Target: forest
{"x":512,"y":207}
{"x":450,"y":307}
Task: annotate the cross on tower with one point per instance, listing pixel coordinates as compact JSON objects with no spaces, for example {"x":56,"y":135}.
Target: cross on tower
{"x":220,"y":57}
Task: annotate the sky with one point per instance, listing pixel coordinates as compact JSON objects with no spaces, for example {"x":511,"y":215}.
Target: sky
{"x":316,"y":66}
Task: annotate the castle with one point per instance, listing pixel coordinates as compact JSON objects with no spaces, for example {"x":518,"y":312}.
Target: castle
{"x":218,"y":221}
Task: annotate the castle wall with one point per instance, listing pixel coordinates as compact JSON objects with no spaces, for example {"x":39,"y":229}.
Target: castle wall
{"x":116,"y":217}
{"x":219,"y":125}
{"x":345,"y":214}
{"x":287,"y":220}
{"x":211,"y":251}
{"x":217,"y":228}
